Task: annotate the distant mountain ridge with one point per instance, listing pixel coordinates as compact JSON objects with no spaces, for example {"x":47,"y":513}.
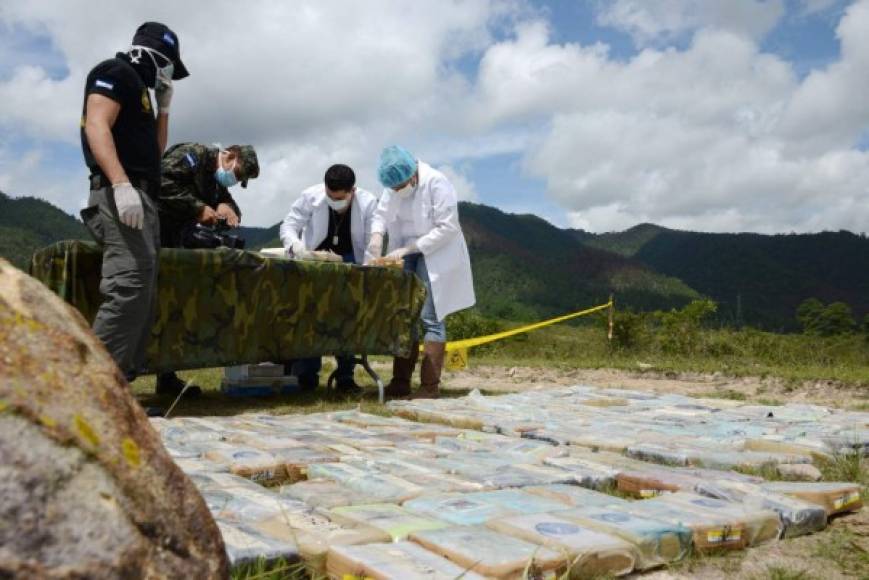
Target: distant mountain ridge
{"x":757,"y":279}
{"x":526,"y":268}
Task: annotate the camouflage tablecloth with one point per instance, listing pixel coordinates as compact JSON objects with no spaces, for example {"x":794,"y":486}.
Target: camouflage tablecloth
{"x":224,"y":307}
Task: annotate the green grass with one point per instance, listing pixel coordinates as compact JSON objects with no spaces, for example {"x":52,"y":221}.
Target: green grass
{"x":279,"y":569}
{"x":727,"y":394}
{"x":782,"y":573}
{"x":842,"y":548}
{"x":793,"y":358}
{"x":214,"y":403}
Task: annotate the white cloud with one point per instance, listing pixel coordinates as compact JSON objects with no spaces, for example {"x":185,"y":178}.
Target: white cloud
{"x":660,"y":21}
{"x":309,"y":83}
{"x":719,"y":136}
{"x":700,"y":129}
{"x":465,"y":189}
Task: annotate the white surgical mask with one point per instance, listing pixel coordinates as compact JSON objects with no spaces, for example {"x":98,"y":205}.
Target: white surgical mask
{"x":164,"y":73}
{"x":405,"y":191}
{"x":338,"y":204}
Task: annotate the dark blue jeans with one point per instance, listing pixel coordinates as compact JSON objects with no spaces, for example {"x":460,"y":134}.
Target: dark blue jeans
{"x":308,"y":369}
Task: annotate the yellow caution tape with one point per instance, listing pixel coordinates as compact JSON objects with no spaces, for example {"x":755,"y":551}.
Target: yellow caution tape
{"x":471,"y":342}
{"x":457,"y":351}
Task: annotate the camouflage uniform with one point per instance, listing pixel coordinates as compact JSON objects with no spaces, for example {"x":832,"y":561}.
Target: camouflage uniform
{"x":188,"y":184}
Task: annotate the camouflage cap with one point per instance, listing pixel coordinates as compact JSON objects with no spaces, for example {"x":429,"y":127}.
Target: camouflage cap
{"x":248,"y":163}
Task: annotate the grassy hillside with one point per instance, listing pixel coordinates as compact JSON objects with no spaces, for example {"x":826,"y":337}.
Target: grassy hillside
{"x":525,"y":267}
{"x":757,"y":279}
{"x":27,"y":223}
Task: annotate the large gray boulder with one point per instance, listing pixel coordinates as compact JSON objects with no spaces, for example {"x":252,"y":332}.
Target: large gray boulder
{"x":86,"y":487}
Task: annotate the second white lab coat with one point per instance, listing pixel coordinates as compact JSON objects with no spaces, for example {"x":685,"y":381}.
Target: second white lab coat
{"x":435,"y":211}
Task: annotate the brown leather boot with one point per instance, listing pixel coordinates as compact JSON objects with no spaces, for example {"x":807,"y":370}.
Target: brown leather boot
{"x":402,"y":371}
{"x":430,"y":370}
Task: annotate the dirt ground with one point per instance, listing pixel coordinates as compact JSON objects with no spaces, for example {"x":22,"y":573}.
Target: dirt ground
{"x":751,"y":389}
{"x":841,"y":551}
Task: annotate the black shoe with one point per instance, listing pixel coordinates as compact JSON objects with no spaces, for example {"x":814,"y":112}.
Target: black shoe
{"x":309,"y":382}
{"x":347,"y":387}
{"x":170,"y":384}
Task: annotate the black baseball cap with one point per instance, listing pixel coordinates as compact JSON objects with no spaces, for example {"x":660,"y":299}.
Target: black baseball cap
{"x":161,"y":38}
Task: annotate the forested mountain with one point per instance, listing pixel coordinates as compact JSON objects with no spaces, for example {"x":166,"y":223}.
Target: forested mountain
{"x":526,"y":268}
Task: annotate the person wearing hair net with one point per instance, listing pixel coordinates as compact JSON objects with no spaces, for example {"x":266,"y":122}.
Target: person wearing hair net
{"x":419,"y":210}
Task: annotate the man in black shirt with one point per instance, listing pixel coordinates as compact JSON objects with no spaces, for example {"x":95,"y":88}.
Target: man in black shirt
{"x":122,"y":142}
{"x":330,"y":220}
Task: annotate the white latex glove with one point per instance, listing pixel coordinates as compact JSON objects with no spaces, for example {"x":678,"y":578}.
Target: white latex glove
{"x":163,"y":92}
{"x":400,"y":253}
{"x":375,"y":247}
{"x":297,"y":249}
{"x":128,"y":200}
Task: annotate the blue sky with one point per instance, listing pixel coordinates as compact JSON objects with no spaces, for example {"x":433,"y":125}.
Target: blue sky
{"x":593,"y":114}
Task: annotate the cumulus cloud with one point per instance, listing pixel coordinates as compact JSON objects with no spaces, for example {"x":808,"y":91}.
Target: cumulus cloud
{"x":660,"y":21}
{"x":699,"y":129}
{"x":465,"y":188}
{"x":718,"y":136}
{"x":309,"y":83}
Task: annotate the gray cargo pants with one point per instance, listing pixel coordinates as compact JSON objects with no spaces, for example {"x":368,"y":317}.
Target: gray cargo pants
{"x":129,"y":277}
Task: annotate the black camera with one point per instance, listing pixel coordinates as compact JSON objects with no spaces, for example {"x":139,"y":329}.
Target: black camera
{"x":209,"y":237}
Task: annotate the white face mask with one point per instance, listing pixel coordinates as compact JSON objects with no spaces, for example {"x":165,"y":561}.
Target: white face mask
{"x":164,"y":73}
{"x":338,"y":204}
{"x":405,"y":191}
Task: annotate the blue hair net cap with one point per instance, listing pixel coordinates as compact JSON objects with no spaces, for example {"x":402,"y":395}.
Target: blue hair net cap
{"x":397,"y":165}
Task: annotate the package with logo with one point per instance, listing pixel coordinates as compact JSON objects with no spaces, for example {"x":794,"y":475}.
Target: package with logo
{"x":798,"y":517}
{"x":389,"y":518}
{"x":296,"y":460}
{"x":244,"y":544}
{"x":710,"y":531}
{"x":404,"y":560}
{"x":384,"y":487}
{"x":324,"y":493}
{"x":658,"y":542}
{"x":574,"y":496}
{"x":834,"y":497}
{"x":486,"y":552}
{"x":761,"y":525}
{"x":462,"y":509}
{"x":587,"y":552}
{"x":652,"y":482}
{"x":255,"y":464}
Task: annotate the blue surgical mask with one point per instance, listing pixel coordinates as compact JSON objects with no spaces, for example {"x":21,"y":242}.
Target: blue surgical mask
{"x":225,"y":177}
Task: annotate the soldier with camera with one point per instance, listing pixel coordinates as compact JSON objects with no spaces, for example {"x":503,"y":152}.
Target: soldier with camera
{"x":196,"y":207}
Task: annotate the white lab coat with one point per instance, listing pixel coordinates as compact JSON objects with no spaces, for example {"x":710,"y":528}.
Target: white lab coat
{"x":308,"y":220}
{"x":435,"y":211}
